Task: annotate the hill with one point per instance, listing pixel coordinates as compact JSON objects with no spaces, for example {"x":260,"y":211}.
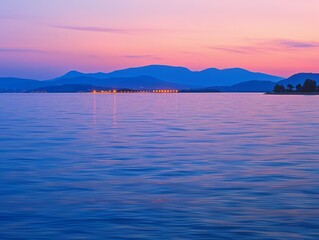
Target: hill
{"x":300,"y":78}
{"x":68,"y":88}
{"x":154,"y":77}
{"x":82,"y":88}
{"x":249,"y":86}
{"x":18,"y":84}
{"x":137,"y":83}
{"x":181,"y":75}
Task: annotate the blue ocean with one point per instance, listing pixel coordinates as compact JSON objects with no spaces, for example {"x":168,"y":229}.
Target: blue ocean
{"x":159,"y":166}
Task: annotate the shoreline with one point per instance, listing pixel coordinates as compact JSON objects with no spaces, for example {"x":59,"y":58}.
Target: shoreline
{"x":293,"y":93}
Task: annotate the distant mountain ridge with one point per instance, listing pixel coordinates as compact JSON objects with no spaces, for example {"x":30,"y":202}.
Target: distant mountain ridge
{"x":154,"y":77}
{"x":249,"y":86}
{"x":299,"y":78}
{"x":68,"y":88}
{"x":181,"y":75}
{"x":138,"y":82}
{"x":18,"y":84}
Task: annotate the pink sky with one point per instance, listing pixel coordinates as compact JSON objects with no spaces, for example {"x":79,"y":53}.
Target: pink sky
{"x":43,"y":39}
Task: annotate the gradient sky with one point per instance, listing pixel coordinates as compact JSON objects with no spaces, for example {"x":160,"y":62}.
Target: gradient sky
{"x":43,"y":39}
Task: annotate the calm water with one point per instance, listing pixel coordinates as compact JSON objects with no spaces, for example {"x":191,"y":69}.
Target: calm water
{"x":148,"y":166}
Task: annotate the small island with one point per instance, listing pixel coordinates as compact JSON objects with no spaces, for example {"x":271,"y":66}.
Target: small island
{"x":309,"y":87}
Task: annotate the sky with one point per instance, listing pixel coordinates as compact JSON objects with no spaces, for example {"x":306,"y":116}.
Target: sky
{"x":44,"y":39}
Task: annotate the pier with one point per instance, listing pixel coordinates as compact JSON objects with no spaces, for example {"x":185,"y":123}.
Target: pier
{"x":133,"y":91}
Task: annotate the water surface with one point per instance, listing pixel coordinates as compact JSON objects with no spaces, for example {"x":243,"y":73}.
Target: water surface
{"x":159,"y":166}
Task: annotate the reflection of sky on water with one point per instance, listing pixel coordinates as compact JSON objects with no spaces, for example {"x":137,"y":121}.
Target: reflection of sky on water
{"x":159,"y":166}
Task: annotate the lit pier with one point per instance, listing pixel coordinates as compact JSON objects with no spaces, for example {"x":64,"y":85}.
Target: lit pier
{"x":133,"y":91}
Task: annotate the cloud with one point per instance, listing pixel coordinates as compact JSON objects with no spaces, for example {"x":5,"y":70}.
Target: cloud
{"x":230,"y":49}
{"x":292,"y":44}
{"x":143,"y":56}
{"x":21,"y":50}
{"x":95,"y":29}
{"x":115,"y":30}
{"x":266,"y":45}
{"x":100,"y":29}
{"x":139,"y":56}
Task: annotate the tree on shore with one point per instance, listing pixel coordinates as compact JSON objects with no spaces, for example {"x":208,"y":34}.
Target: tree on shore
{"x":308,"y":86}
{"x":290,"y":88}
{"x":279,"y":88}
{"x":299,"y":88}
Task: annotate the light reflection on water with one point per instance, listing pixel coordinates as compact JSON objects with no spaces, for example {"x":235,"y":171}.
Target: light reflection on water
{"x":159,"y":166}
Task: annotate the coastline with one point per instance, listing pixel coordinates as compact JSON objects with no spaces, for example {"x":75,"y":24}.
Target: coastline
{"x":294,"y":93}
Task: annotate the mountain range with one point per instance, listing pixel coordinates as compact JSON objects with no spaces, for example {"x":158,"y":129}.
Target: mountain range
{"x":181,"y":75}
{"x":157,"y":77}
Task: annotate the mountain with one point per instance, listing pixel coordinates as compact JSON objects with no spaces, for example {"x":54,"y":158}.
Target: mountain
{"x":137,"y":83}
{"x":160,"y":71}
{"x":80,"y":85}
{"x":300,"y":79}
{"x":68,"y":88}
{"x":72,"y":74}
{"x":254,"y":86}
{"x":152,"y":77}
{"x":18,"y":84}
{"x":181,"y":75}
{"x":232,"y":76}
{"x":249,"y":86}
{"x":134,"y":83}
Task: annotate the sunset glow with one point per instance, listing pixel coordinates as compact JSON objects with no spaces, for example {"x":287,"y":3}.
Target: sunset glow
{"x":44,"y":39}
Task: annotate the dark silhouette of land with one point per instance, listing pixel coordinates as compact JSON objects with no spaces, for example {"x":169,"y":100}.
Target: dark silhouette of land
{"x":299,"y":78}
{"x":159,"y":77}
{"x":308,"y":87}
